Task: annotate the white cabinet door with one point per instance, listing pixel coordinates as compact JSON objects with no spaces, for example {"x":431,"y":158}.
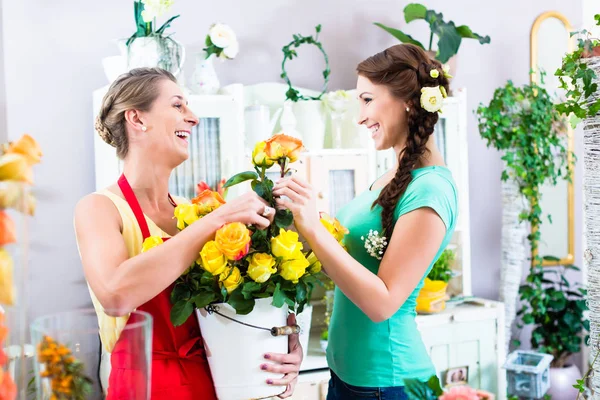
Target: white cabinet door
{"x":472,"y":344}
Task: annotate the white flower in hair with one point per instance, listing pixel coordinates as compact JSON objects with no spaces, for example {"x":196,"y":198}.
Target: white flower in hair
{"x":446,"y":69}
{"x":432,"y":98}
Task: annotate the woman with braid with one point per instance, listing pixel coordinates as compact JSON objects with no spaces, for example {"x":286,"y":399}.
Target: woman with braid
{"x":374,"y":343}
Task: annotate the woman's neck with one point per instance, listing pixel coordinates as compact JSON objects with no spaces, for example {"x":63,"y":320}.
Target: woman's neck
{"x":149,"y":180}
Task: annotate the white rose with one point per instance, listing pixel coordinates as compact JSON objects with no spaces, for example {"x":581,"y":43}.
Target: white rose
{"x":431,"y":98}
{"x":232,"y":50}
{"x":155,"y":8}
{"x":221,"y":35}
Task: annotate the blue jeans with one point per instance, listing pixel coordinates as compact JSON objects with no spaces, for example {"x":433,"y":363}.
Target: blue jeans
{"x":338,"y":390}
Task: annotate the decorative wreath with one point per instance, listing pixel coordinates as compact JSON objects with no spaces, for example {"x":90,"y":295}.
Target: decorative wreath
{"x":289,"y":53}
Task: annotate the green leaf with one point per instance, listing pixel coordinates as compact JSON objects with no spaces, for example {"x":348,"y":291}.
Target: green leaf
{"x":284,"y":218}
{"x":239,"y":178}
{"x":179,"y":292}
{"x":414,"y":11}
{"x":434,"y":384}
{"x":449,"y":40}
{"x":242,"y":305}
{"x":278,"y":297}
{"x":181,"y":311}
{"x":401,"y":36}
{"x":259,"y":188}
{"x":301,"y":292}
{"x":203,"y":299}
{"x":161,"y":30}
{"x":466,"y":32}
{"x":250,"y":288}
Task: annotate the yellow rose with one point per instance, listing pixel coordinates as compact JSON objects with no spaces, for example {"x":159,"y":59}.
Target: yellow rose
{"x":261,"y":267}
{"x":292,"y":270}
{"x":186,"y":214}
{"x":230,"y":279}
{"x":208,"y":201}
{"x":28,"y":148}
{"x":333,"y":226}
{"x":314,"y":263}
{"x":14,"y":167}
{"x":151,"y":242}
{"x":286,"y":244}
{"x":7,"y":293}
{"x":233,"y":240}
{"x":211,"y":258}
{"x":280,"y":146}
{"x":259,"y":157}
{"x":11,"y":196}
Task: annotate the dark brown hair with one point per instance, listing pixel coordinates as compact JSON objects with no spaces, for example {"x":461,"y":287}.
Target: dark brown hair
{"x":404,"y":69}
{"x":134,"y":90}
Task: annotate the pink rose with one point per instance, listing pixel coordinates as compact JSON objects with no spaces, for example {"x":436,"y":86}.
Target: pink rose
{"x":460,"y":393}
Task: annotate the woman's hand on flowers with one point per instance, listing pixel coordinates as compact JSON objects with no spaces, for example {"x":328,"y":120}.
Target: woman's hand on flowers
{"x":249,"y":209}
{"x":301,"y":201}
{"x":287,"y":364}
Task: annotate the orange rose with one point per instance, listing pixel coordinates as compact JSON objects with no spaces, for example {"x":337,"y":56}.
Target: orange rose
{"x":28,"y":148}
{"x":208,"y":201}
{"x":7,"y":229}
{"x":280,"y":146}
{"x":233,"y":240}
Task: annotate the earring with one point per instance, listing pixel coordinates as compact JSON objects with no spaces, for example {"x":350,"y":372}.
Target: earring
{"x":144,"y":128}
{"x":407,"y":109}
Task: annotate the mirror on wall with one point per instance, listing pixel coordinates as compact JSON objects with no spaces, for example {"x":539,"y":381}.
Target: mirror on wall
{"x":550,"y":40}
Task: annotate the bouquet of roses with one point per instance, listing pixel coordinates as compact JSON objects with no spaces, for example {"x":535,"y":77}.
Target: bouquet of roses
{"x":244,"y":263}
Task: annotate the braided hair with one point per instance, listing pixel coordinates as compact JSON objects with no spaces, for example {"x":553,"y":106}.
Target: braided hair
{"x":405,"y":69}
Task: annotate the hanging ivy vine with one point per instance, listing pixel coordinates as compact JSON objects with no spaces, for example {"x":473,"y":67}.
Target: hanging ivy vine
{"x":289,"y":52}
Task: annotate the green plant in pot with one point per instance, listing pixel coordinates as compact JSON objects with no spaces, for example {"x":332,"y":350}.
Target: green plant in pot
{"x":556,"y":308}
{"x":449,"y":36}
{"x":433,"y":294}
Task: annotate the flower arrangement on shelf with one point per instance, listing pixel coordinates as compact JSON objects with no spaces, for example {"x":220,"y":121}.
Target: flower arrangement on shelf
{"x":244,"y":263}
{"x":449,"y":35}
{"x":65,"y":373}
{"x":222,"y":42}
{"x":146,"y":12}
{"x":16,"y":161}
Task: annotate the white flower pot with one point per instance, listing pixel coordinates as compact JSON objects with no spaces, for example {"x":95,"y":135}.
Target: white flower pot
{"x":304,"y":320}
{"x":310,"y":123}
{"x":155,"y":51}
{"x":235,"y":352}
{"x":205,"y":79}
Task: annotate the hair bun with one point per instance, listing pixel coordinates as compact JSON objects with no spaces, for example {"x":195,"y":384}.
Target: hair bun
{"x":104,"y":132}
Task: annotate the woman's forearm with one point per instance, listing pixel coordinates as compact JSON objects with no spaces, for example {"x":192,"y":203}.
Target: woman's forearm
{"x":140,"y":278}
{"x":365,"y":289}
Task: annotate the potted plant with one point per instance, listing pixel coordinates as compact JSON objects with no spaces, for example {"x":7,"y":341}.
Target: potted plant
{"x":522,"y":123}
{"x":579,"y":77}
{"x":448,"y":34}
{"x":308,"y":111}
{"x":432,"y":296}
{"x":148,"y":46}
{"x":556,"y":309}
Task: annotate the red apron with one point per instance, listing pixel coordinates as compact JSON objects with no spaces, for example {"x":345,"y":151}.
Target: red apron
{"x":179,"y":367}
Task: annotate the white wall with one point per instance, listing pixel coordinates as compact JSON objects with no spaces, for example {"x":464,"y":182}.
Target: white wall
{"x":3,"y":131}
{"x":53,"y":52}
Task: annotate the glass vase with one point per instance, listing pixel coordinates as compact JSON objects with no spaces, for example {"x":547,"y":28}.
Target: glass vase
{"x":70,"y":341}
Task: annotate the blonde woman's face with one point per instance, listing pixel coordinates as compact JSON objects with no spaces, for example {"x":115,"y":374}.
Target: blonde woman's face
{"x":382,"y":113}
{"x":169,"y":123}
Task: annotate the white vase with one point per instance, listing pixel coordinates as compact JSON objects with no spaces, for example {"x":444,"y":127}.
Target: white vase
{"x":204,"y":79}
{"x":310,"y":123}
{"x":562,"y":381}
{"x":235,"y":352}
{"x":303,"y":320}
{"x":154,"y":51}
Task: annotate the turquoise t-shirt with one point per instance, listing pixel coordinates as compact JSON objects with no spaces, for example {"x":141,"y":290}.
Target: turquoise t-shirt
{"x":364,"y":353}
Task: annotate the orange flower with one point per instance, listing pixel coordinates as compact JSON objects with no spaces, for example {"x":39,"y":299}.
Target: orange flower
{"x":280,"y":146}
{"x":208,"y":201}
{"x":233,"y":240}
{"x":7,"y":229}
{"x":28,"y":148}
{"x":8,"y":388}
{"x":14,"y":167}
